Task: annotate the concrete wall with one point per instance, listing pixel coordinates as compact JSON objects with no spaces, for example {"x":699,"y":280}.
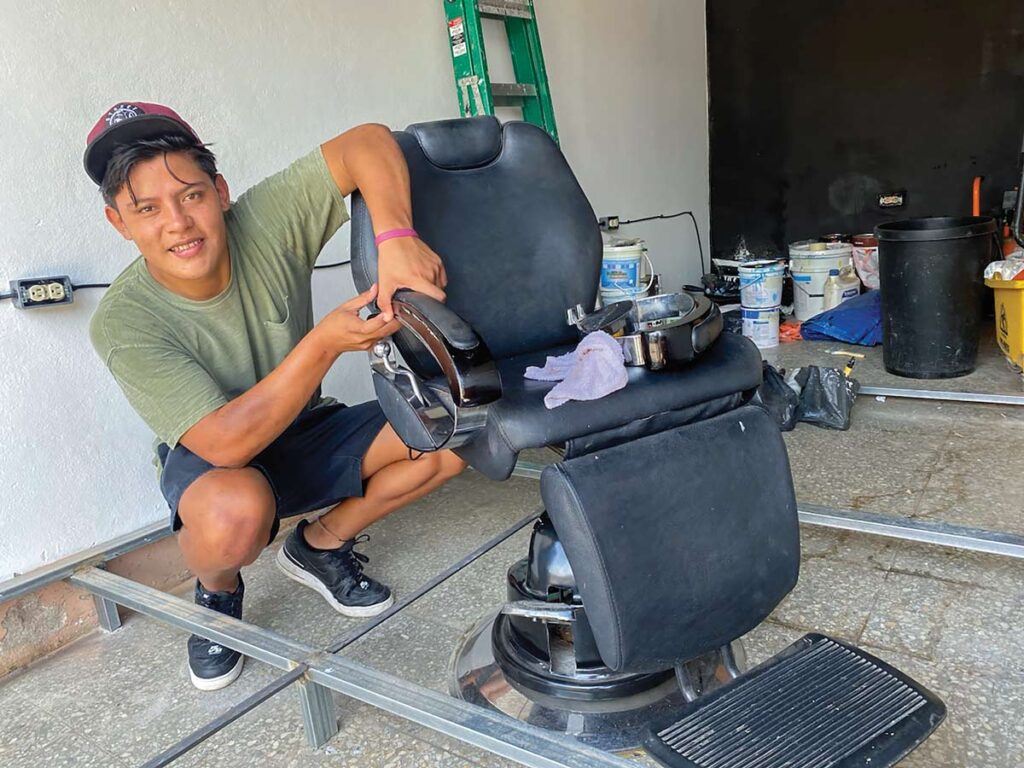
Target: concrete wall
{"x":265,"y":82}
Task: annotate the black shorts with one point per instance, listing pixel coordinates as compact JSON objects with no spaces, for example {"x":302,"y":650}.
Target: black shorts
{"x":316,"y":462}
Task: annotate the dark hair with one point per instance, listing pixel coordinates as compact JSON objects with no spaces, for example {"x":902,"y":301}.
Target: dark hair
{"x":125,"y":157}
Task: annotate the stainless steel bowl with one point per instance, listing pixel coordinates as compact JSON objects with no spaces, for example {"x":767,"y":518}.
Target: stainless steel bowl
{"x":655,"y":331}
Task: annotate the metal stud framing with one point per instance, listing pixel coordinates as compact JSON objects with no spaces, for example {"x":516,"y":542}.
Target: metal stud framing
{"x":492,"y":731}
{"x":106,"y":614}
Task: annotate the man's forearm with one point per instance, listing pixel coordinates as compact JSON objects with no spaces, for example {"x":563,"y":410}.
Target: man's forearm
{"x":236,"y":432}
{"x":368,"y":158}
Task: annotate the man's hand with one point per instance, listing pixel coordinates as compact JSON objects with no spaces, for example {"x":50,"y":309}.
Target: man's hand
{"x":344,"y":331}
{"x":408,"y":262}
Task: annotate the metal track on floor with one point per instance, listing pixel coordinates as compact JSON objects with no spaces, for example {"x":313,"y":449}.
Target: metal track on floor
{"x":479,"y":727}
{"x":60,"y":569}
{"x":915,"y":529}
{"x":956,"y":397}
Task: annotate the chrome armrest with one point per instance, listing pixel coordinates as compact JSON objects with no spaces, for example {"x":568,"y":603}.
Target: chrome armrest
{"x":451,"y":341}
{"x":426,"y":417}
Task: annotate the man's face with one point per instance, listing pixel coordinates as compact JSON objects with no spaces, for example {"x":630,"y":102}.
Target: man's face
{"x":176,"y":218}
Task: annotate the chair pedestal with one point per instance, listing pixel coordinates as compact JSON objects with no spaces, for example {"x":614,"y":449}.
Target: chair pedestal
{"x":548,"y":672}
{"x":555,"y":657}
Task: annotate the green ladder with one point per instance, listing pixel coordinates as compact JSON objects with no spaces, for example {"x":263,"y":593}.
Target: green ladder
{"x":477,"y":94}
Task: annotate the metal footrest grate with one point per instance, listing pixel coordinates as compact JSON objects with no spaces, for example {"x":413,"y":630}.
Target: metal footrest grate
{"x":818,"y":704}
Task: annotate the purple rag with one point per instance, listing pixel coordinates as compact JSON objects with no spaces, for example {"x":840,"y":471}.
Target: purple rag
{"x":594,"y":369}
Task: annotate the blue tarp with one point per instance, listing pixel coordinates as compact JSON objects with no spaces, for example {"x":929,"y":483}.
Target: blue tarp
{"x":856,"y":321}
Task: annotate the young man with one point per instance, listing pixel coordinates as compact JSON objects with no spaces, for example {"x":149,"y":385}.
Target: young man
{"x":210,"y":335}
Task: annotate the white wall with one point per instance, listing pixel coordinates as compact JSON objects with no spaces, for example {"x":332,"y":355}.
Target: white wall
{"x":265,"y":82}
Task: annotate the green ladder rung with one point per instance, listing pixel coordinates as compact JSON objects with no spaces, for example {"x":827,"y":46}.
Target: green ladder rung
{"x":477,"y":94}
{"x":502,"y":9}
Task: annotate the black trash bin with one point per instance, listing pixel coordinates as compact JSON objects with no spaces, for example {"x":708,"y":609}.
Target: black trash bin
{"x":930,"y":273}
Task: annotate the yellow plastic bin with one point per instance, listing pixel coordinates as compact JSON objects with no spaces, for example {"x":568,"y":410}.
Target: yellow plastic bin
{"x":1009,"y":318}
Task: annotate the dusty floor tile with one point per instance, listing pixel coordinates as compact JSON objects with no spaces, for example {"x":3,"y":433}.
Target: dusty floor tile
{"x":464,"y":598}
{"x":410,"y":647}
{"x":908,"y":614}
{"x":974,"y":733}
{"x":967,"y":569}
{"x":766,"y":640}
{"x":847,"y":546}
{"x":904,"y":415}
{"x":982,"y":630}
{"x":966,"y":490}
{"x":832,"y":597}
{"x":992,"y":375}
{"x":856,"y":470}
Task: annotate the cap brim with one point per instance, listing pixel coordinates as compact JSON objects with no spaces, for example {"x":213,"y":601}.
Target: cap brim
{"x":99,"y":152}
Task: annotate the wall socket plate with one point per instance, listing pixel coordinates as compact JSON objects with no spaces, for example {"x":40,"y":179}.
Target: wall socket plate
{"x":32,"y":292}
{"x":895,"y":199}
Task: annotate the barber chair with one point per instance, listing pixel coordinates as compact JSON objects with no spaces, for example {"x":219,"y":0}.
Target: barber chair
{"x":670,"y":525}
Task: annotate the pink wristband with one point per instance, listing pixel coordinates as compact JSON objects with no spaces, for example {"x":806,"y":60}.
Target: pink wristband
{"x":394,"y":233}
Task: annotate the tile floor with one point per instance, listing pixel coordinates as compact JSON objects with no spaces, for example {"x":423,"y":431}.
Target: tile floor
{"x":951,"y":619}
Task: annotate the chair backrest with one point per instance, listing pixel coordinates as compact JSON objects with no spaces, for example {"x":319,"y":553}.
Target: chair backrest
{"x":518,"y":238}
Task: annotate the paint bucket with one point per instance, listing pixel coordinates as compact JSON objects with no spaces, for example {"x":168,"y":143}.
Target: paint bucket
{"x":761,"y":284}
{"x":621,"y":272}
{"x":809,"y":263}
{"x":761,"y":326}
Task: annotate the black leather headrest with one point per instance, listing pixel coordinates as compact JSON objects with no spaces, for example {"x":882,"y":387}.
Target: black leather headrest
{"x":459,"y":143}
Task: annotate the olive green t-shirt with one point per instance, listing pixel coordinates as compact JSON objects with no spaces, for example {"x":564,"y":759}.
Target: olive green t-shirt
{"x":178,"y":360}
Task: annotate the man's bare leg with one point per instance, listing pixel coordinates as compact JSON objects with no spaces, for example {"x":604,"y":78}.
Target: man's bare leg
{"x":392,"y":481}
{"x":226,"y":515}
{"x":322,"y":556}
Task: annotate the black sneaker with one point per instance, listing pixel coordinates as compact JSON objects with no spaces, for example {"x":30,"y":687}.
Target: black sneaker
{"x":337,"y":574}
{"x":211,"y":665}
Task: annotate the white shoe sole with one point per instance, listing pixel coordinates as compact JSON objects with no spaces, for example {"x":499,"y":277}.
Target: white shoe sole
{"x":296,"y":572}
{"x":216,"y":683}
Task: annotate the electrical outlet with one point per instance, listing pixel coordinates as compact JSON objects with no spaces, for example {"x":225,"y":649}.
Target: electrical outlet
{"x":32,"y":292}
{"x":894,"y":199}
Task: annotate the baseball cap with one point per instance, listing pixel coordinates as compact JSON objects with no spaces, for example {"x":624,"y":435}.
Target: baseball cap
{"x":125,"y":122}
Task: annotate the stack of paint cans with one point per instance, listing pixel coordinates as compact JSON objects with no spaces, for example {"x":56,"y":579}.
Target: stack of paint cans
{"x":760,"y":299}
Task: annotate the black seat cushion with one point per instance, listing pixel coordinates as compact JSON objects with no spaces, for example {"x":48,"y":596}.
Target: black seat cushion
{"x":682,"y":541}
{"x":715,"y":383}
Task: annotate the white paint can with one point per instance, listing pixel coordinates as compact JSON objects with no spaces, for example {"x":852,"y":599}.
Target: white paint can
{"x":810,"y":263}
{"x":761,"y":284}
{"x":761,"y":326}
{"x":622,"y":270}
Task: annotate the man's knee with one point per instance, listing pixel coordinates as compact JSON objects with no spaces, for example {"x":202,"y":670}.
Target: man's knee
{"x":230,"y":513}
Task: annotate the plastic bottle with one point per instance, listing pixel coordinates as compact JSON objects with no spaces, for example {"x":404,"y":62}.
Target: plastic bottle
{"x":841,"y":285}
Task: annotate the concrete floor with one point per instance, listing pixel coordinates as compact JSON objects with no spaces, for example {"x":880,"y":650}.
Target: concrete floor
{"x":950,"y":619}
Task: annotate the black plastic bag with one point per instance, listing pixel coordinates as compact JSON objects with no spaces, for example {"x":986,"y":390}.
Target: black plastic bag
{"x":777,"y":397}
{"x":826,"y":397}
